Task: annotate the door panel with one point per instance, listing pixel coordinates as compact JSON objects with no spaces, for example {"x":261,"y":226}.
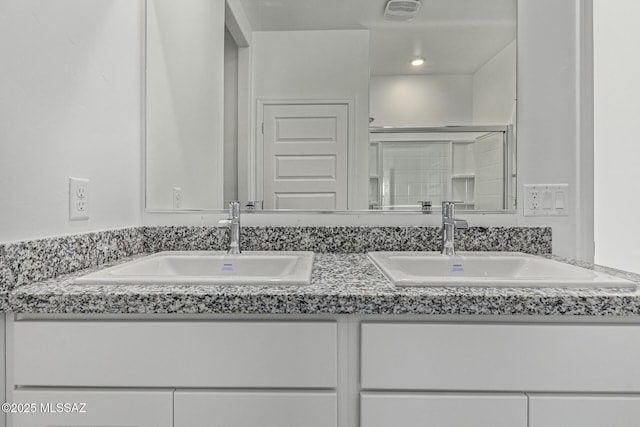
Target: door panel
{"x":310,"y":201}
{"x":255,"y":409}
{"x":90,"y":408}
{"x":306,"y":167}
{"x":175,"y":354}
{"x":443,"y":410}
{"x":536,"y":358}
{"x":584,"y":411}
{"x":305,"y":156}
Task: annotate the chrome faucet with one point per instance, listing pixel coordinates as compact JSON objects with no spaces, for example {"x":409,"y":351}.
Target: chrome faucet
{"x":449,"y":224}
{"x":233,"y":223}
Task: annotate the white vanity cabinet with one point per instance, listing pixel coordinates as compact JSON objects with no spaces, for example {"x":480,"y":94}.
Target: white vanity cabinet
{"x":501,"y":357}
{"x":259,"y":409}
{"x":177,"y":354}
{"x":90,"y":408}
{"x":422,"y":371}
{"x":443,"y":410}
{"x":584,"y":410}
{"x":217,"y":372}
{"x":327,"y":371}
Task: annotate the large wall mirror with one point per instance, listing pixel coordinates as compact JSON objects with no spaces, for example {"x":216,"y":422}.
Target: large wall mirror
{"x":334,"y":105}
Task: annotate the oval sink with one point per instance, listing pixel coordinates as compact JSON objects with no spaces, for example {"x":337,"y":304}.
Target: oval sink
{"x":490,"y":269}
{"x":209,"y":268}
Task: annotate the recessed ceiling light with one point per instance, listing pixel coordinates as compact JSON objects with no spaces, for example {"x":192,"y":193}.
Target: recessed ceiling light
{"x":417,"y":62}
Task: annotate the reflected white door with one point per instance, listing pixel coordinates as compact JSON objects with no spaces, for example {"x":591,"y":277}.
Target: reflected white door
{"x":305,"y":156}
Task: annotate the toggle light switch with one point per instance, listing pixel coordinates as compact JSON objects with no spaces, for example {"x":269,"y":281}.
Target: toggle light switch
{"x":559,"y":199}
{"x":546,"y":200}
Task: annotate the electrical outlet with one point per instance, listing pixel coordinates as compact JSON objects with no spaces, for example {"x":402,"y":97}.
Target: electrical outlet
{"x":177,"y":197}
{"x":78,"y":199}
{"x":534,"y":200}
{"x":546,"y":200}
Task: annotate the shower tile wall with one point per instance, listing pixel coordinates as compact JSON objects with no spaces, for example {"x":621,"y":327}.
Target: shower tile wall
{"x":415,"y":172}
{"x":489,"y":173}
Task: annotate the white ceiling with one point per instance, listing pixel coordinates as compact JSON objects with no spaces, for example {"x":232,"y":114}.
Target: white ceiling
{"x":454,"y":36}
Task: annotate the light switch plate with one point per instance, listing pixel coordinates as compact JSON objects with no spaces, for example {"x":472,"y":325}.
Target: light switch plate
{"x":546,"y":200}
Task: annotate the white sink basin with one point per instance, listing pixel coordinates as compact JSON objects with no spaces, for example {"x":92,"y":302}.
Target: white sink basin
{"x":491,"y":269}
{"x":209,"y":268}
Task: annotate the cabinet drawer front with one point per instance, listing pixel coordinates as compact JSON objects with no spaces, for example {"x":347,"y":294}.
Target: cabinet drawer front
{"x":94,"y":408}
{"x":584,"y":411}
{"x":176,"y":354}
{"x":259,"y":409}
{"x":501,"y":357}
{"x":443,"y":410}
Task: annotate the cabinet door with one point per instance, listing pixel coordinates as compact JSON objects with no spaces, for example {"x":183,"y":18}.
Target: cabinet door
{"x":93,"y":408}
{"x":584,"y":411}
{"x":181,"y":354}
{"x":255,"y":409}
{"x":500,"y":357}
{"x":443,"y":410}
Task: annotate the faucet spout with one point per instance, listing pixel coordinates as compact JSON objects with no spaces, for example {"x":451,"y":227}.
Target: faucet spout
{"x":449,"y":225}
{"x":233,"y":223}
{"x":460,"y":223}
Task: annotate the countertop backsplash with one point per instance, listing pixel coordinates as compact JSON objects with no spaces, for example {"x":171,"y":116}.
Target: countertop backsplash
{"x":533,"y":240}
{"x":38,"y":275}
{"x":31,"y":261}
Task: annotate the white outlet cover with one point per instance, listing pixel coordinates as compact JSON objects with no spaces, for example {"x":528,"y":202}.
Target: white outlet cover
{"x":546,"y":200}
{"x":177,"y":197}
{"x":78,"y":199}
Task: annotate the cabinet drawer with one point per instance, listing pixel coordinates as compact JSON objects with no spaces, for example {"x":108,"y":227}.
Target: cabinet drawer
{"x":584,"y":411}
{"x":255,"y":409}
{"x":176,"y":354}
{"x":443,"y":410}
{"x":598,"y":358}
{"x":94,"y":408}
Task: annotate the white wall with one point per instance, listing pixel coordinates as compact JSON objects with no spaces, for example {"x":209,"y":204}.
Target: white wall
{"x":617,"y":150}
{"x":549,"y":82}
{"x":70,"y":100}
{"x":494,"y":103}
{"x":230,"y":179}
{"x":430,"y":100}
{"x":494,"y":89}
{"x":185,"y":102}
{"x":489,"y":182}
{"x":319,"y":65}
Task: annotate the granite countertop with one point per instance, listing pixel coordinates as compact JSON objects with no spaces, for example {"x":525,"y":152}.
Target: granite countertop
{"x":344,"y":283}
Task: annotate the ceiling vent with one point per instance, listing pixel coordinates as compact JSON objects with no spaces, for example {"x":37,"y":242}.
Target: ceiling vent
{"x":401,"y":10}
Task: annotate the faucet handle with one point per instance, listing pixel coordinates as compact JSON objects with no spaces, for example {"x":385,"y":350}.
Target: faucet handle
{"x":234,"y":209}
{"x":448,"y":209}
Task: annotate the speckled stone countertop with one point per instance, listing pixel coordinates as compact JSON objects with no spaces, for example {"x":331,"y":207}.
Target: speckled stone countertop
{"x":342,"y":283}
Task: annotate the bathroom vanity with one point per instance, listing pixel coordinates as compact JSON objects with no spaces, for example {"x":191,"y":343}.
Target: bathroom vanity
{"x":325,"y":371}
{"x":348,"y":350}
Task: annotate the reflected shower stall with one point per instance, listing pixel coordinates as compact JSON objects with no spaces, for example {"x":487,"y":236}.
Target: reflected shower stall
{"x":416,"y":168}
